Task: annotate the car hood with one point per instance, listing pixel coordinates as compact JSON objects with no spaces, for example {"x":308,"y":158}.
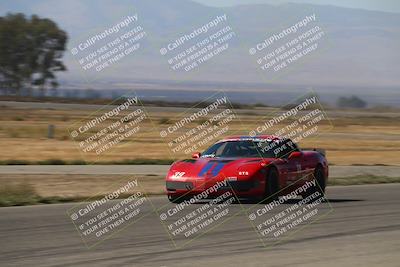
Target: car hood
{"x":212,"y":167}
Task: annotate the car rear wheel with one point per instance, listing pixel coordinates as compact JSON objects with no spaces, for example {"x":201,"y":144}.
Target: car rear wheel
{"x":320,"y":178}
{"x":320,"y":184}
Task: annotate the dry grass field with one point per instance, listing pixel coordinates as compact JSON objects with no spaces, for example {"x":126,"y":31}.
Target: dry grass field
{"x":81,"y":185}
{"x":352,"y":137}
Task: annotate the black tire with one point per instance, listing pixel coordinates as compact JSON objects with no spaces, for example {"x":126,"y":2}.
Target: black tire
{"x":175,"y":200}
{"x":271,"y":185}
{"x":319,"y":176}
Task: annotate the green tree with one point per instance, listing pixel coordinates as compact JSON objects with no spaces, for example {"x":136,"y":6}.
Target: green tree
{"x":31,"y":51}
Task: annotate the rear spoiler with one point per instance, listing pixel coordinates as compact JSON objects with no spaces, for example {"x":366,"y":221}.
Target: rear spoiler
{"x":319,"y":150}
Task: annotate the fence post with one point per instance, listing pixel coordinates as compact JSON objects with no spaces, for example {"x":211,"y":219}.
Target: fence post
{"x":50,"y":131}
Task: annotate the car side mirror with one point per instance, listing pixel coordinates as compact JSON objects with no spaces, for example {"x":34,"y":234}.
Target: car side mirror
{"x":196,"y":155}
{"x":295,"y":154}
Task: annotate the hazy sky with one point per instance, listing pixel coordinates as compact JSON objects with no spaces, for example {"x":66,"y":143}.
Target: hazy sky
{"x":381,"y":5}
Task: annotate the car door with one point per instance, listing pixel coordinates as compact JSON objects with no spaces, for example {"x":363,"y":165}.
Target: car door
{"x":293,"y":166}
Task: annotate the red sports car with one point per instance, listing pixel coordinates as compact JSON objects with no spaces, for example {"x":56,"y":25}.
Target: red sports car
{"x":257,"y":168}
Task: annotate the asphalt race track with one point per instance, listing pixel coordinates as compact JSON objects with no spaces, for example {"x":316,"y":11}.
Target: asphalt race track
{"x":362,"y":229}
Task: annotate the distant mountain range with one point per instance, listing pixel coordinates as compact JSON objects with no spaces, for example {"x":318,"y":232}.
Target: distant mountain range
{"x":360,"y":50}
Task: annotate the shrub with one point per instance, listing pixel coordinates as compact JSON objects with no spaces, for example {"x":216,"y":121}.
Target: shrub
{"x":17,"y":195}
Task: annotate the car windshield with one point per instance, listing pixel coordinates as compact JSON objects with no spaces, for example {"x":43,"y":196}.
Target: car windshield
{"x":260,"y":148}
